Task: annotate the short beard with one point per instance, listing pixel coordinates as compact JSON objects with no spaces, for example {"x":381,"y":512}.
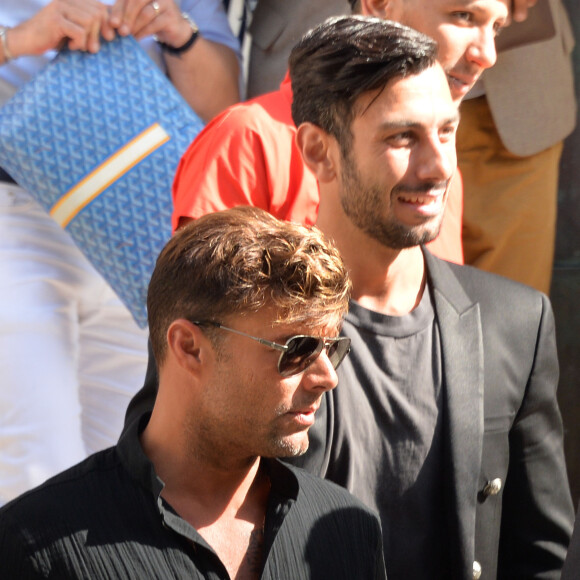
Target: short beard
{"x":288,"y":449}
{"x":365,"y":204}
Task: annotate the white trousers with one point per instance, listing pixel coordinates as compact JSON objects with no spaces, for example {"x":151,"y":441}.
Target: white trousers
{"x":71,"y":355}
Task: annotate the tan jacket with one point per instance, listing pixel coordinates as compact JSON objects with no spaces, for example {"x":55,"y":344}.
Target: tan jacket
{"x":530,"y":89}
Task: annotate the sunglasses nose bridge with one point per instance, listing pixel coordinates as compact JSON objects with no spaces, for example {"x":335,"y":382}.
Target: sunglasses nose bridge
{"x":333,"y":350}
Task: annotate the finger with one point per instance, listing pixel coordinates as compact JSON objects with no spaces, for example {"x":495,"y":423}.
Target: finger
{"x":149,"y":21}
{"x":76,"y":33}
{"x":93,"y":37}
{"x":117,"y":13}
{"x":82,"y":23}
{"x":156,"y":7}
{"x":107,"y":30}
{"x":520,"y":9}
{"x":133,"y":9}
{"x":170,"y":26}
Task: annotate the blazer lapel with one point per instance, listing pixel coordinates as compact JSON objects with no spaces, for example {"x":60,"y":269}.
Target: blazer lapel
{"x":462,"y":350}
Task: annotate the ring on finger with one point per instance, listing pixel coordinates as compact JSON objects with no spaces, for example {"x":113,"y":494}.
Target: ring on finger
{"x":156,"y":7}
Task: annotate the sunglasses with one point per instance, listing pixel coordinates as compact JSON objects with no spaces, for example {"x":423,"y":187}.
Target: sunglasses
{"x":300,"y":351}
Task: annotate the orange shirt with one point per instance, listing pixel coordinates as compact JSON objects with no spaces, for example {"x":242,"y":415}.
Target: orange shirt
{"x":247,"y":156}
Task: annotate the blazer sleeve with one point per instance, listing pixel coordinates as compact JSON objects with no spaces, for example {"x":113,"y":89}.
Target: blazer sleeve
{"x":537,"y":514}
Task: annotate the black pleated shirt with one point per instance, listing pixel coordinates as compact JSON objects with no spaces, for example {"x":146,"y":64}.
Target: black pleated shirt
{"x":105,"y":518}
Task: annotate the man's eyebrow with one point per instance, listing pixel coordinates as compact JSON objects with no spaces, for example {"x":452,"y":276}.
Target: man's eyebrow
{"x":503,"y":21}
{"x":410,"y":124}
{"x":473,"y":6}
{"x":455,"y":118}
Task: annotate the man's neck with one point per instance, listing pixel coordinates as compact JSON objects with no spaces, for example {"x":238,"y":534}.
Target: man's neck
{"x":226,"y":504}
{"x":397,"y":290}
{"x":187,"y":473}
{"x":384,"y":279}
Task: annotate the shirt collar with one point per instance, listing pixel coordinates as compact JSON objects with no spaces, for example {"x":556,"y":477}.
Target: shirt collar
{"x":283,"y":480}
{"x":134,"y":459}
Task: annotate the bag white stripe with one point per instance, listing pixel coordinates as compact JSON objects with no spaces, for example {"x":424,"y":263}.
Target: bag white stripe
{"x":112,"y":169}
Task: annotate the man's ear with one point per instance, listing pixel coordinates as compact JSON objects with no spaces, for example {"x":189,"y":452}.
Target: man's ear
{"x":319,"y":151}
{"x":384,"y":9}
{"x":186,"y":344}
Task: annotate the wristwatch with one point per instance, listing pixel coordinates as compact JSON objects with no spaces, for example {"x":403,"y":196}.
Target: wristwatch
{"x":184,"y":47}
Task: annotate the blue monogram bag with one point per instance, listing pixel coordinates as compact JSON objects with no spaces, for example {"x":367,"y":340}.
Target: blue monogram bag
{"x":96,"y":139}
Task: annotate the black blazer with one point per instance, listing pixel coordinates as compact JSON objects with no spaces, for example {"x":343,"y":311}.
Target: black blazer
{"x":500,"y":373}
{"x":502,"y":425}
{"x":504,"y":422}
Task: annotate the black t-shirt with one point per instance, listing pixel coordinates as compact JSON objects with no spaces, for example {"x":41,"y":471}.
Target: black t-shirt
{"x":381,"y":435}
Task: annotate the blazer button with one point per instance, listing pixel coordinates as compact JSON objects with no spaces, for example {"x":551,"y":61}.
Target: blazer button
{"x":476,"y":570}
{"x":492,"y":487}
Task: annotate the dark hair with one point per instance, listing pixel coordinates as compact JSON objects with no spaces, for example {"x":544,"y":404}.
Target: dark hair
{"x":345,"y":57}
{"x":239,"y":260}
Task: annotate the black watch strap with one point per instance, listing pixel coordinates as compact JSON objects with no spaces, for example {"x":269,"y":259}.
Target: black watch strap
{"x":184,"y":47}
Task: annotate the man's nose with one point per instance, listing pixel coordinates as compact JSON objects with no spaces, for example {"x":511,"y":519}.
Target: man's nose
{"x":320,"y":375}
{"x":482,"y":50}
{"x":438,"y":160}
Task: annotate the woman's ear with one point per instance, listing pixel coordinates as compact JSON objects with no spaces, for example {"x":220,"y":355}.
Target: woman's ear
{"x":318,"y":151}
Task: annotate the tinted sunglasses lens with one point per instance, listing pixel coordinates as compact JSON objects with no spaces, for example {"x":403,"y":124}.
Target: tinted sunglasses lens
{"x":302,"y":350}
{"x":338,"y":350}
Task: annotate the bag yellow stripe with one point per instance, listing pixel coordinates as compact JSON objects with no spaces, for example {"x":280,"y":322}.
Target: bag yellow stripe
{"x":113,"y":168}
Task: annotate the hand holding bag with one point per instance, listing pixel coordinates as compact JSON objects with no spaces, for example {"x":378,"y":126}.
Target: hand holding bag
{"x":96,"y":139}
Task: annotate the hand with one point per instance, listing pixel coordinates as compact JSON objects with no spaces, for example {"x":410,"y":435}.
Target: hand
{"x":79,"y":23}
{"x":520,"y":9}
{"x":147,"y":17}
